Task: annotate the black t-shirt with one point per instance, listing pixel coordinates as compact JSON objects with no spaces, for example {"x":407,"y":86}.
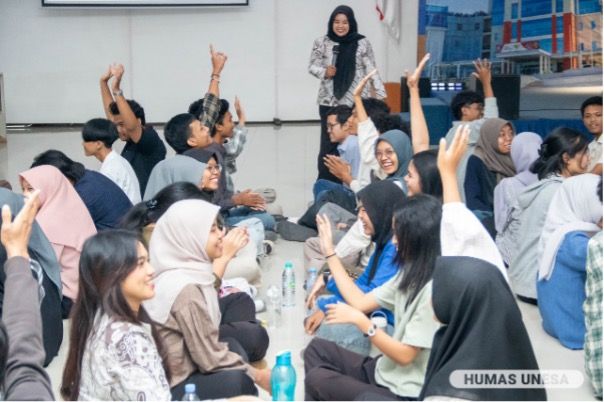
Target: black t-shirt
{"x":144,"y":155}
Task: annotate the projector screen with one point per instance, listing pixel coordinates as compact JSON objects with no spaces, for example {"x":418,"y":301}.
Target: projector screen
{"x":142,"y":3}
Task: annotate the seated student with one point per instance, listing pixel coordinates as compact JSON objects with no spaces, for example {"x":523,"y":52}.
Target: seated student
{"x":377,"y":202}
{"x":105,"y":201}
{"x":423,"y":176}
{"x":339,"y":128}
{"x":99,"y":135}
{"x":563,"y":154}
{"x":173,"y":170}
{"x":41,"y":256}
{"x":524,"y":152}
{"x":487,"y":166}
{"x":571,"y":220}
{"x":237,"y":309}
{"x":143,"y":149}
{"x":232,"y":137}
{"x":592,"y":309}
{"x":471,"y":108}
{"x":64,"y":220}
{"x":186,"y":241}
{"x":113,"y":350}
{"x":591,"y":113}
{"x":21,"y":349}
{"x":471,"y":298}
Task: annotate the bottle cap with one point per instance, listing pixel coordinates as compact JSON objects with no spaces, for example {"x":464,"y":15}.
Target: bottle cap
{"x":189,"y":388}
{"x":288,"y":265}
{"x":284,"y":358}
{"x":312,"y":269}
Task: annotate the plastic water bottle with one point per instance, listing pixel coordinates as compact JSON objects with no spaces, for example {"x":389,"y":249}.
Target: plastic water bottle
{"x":190,"y":393}
{"x":311,"y":278}
{"x":273,"y":295}
{"x":288,"y":285}
{"x":283,"y":378}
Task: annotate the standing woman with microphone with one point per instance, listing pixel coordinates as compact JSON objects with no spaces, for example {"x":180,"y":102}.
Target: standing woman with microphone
{"x":340,"y":60}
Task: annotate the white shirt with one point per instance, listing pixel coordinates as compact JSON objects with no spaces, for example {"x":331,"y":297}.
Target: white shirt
{"x":121,"y":173}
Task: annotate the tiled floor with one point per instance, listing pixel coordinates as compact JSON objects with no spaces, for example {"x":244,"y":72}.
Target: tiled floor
{"x":284,"y":159}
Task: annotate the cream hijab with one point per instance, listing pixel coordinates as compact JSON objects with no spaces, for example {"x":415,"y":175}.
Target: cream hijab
{"x":178,"y":254}
{"x":575,"y":207}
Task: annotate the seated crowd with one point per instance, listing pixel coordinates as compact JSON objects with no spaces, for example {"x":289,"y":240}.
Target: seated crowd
{"x":143,"y":256}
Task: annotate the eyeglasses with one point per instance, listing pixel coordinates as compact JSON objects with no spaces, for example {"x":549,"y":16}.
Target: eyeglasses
{"x":214,"y":168}
{"x":330,"y":126}
{"x":388,"y":154}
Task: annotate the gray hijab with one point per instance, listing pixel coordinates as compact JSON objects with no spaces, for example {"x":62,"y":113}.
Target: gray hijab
{"x":172,"y":170}
{"x":39,"y":247}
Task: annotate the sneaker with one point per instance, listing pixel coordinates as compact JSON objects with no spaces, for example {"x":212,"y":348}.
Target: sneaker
{"x":270,"y":235}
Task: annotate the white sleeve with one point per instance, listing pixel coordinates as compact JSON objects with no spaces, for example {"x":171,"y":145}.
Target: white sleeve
{"x":490,"y":108}
{"x":354,"y":241}
{"x":368,"y":135}
{"x":462,"y":234}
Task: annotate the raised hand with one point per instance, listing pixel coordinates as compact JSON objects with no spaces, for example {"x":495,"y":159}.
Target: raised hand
{"x":15,"y":234}
{"x":240,"y":112}
{"x":218,"y":60}
{"x":117,"y":71}
{"x":107,"y":75}
{"x":359,"y":89}
{"x":325,"y":235}
{"x":413,"y":79}
{"x":234,"y":241}
{"x":483,"y":70}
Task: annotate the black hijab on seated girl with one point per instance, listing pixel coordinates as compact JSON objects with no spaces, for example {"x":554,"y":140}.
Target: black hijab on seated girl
{"x":482,"y":330}
{"x":346,"y":61}
{"x":380,"y":200}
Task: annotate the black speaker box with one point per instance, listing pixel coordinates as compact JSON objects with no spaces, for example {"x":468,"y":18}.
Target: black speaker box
{"x":507,"y":92}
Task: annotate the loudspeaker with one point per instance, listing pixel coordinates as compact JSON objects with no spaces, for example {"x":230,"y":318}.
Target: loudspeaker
{"x":425,"y":91}
{"x":507,"y":92}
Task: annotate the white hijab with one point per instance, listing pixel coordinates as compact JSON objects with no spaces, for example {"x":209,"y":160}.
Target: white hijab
{"x":178,"y":254}
{"x":575,"y":207}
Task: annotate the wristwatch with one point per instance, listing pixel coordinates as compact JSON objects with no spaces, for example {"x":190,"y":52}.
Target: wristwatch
{"x":371,"y":331}
{"x":119,"y":92}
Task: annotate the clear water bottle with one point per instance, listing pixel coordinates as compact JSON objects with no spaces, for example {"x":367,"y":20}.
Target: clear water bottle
{"x":283,"y":378}
{"x":288,"y":285}
{"x":311,"y":278}
{"x":190,"y":393}
{"x":273,"y":296}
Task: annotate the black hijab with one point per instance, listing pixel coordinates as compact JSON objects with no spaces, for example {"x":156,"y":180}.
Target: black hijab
{"x":483,"y":330}
{"x":204,"y":156}
{"x":348,"y":44}
{"x":380,"y":200}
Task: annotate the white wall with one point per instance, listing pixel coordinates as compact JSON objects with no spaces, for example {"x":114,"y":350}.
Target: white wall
{"x":52,"y":57}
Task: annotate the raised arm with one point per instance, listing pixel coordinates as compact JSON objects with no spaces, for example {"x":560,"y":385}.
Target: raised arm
{"x":211,"y":101}
{"x":364,"y":302}
{"x":358,"y":99}
{"x":376,"y":82}
{"x":106,"y":92}
{"x":133,"y":127}
{"x":420,"y":136}
{"x":483,"y":73}
{"x":218,"y":61}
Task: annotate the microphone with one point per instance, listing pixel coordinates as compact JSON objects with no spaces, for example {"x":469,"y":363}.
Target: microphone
{"x":335,"y":50}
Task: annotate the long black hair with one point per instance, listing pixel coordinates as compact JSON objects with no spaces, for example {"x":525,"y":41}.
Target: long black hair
{"x":562,"y":140}
{"x":417,"y":231}
{"x":106,"y":261}
{"x":429,"y":176}
{"x":147,"y":212}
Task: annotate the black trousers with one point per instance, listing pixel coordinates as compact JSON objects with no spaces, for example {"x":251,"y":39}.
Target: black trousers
{"x":239,"y":323}
{"x":335,"y":373}
{"x":222,"y":384}
{"x":327,"y":148}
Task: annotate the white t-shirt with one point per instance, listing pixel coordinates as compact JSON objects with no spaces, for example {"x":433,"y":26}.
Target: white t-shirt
{"x":121,"y":173}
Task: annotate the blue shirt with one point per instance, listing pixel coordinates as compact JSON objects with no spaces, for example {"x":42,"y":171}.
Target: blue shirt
{"x":105,"y":201}
{"x":561,"y":297}
{"x":349,"y":151}
{"x":386,"y":269}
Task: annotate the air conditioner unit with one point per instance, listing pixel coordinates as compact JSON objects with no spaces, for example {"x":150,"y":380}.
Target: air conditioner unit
{"x":2,"y":110}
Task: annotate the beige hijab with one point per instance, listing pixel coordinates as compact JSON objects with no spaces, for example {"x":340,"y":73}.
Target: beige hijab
{"x":487,"y":149}
{"x":178,"y":254}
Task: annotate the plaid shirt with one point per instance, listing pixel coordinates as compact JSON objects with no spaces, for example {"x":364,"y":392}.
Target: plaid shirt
{"x":211,"y":109}
{"x":233,"y":147}
{"x":593,"y":314}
